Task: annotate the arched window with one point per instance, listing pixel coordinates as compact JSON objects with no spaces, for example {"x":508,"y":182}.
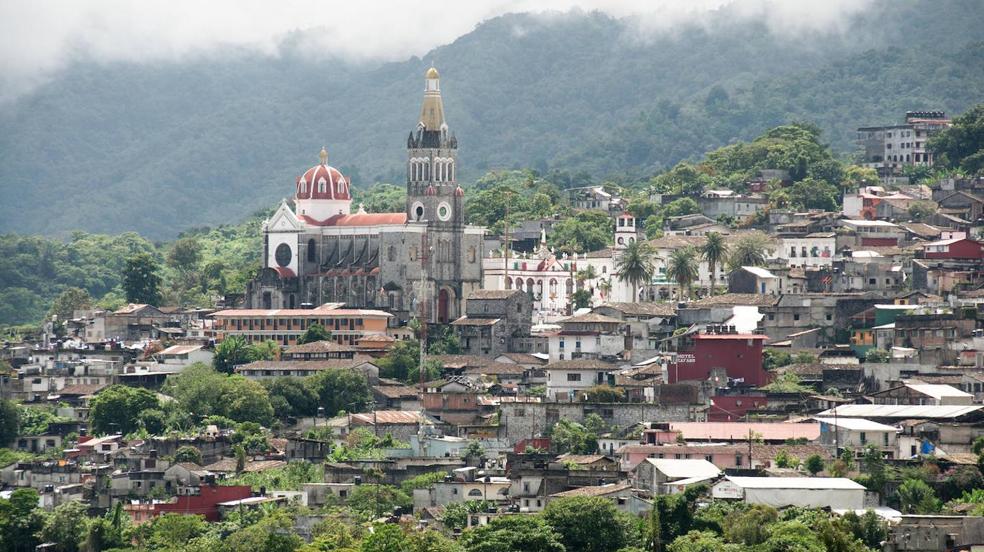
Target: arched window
{"x":391,"y":253}
{"x":508,"y":283}
{"x":475,"y":492}
{"x":426,"y":171}
{"x":570,"y":287}
{"x":312,"y":250}
{"x":451,"y":171}
{"x":553,"y":286}
{"x":303,"y":186}
{"x":321,"y":186}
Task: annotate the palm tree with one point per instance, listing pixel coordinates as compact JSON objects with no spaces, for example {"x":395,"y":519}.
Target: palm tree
{"x":586,"y":274}
{"x":682,"y":267}
{"x":714,"y":251}
{"x":749,"y":250}
{"x":636,"y":265}
{"x":604,"y":287}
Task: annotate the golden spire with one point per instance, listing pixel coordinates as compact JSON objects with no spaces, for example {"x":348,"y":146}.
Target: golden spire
{"x":323,"y":155}
{"x":432,"y":110}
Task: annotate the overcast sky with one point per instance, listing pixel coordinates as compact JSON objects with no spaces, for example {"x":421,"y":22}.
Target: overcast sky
{"x":38,"y":37}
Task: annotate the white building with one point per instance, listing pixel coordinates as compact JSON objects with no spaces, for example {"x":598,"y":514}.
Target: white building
{"x":811,"y":250}
{"x":858,"y":434}
{"x":589,"y":335}
{"x":803,"y":492}
{"x":567,"y":379}
{"x":670,"y":475}
{"x":178,"y":357}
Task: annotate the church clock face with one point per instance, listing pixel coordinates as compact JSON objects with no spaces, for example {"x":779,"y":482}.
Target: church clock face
{"x":283,"y":254}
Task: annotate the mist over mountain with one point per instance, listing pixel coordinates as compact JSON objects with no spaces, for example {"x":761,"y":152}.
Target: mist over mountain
{"x":164,"y":146}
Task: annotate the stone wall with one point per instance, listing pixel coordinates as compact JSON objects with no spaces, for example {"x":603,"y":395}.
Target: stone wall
{"x":524,"y":421}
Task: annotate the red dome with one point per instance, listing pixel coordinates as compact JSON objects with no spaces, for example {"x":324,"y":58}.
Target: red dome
{"x":430,"y":191}
{"x":323,"y":182}
{"x":459,"y":192}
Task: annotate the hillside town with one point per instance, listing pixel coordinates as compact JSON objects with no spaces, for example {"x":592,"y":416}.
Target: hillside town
{"x":739,"y":357}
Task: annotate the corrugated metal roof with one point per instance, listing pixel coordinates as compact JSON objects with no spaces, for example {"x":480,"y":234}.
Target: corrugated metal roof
{"x":835,"y":483}
{"x":857,"y":424}
{"x":724,"y":431}
{"x":673,"y":468}
{"x":902,"y":411}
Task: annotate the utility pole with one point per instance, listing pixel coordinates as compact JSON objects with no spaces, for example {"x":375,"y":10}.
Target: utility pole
{"x":505,"y":274}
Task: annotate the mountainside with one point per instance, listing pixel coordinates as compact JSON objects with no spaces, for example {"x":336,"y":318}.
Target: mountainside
{"x":158,"y":148}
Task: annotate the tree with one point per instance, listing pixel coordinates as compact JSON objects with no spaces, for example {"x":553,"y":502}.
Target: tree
{"x":869,"y":528}
{"x":339,"y":390}
{"x":20,"y":521}
{"x":786,"y":460}
{"x":400,"y":359}
{"x":170,"y":531}
{"x":585,"y":523}
{"x":69,"y":301}
{"x":605,"y":394}
{"x":682,"y":267}
{"x":635,"y":265}
{"x":141,"y":281}
{"x":9,"y":422}
{"x":750,"y":527}
{"x":118,"y":408}
{"x":749,"y":250}
{"x":512,"y":534}
{"x":246,"y":400}
{"x":188,"y":453}
{"x":291,"y":397}
{"x":921,"y":210}
{"x":814,"y":464}
{"x":313,"y":334}
{"x":370,"y":501}
{"x":385,"y":537}
{"x":572,"y":437}
{"x":701,"y":541}
{"x":264,"y":350}
{"x":474,"y":449}
{"x":274,"y":533}
{"x":581,"y":299}
{"x":585,"y":231}
{"x":66,"y":526}
{"x":916,"y":497}
{"x":185,"y":254}
{"x":231,"y":352}
{"x":874,"y":466}
{"x":715,"y":252}
{"x":962,"y":145}
{"x":811,"y":193}
{"x":877,"y":356}
{"x":446,"y":344}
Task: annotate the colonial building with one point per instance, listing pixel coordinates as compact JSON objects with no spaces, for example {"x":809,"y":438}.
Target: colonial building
{"x":320,"y":251}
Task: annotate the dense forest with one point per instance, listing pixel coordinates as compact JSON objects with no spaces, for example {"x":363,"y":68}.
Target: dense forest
{"x":161,"y":148}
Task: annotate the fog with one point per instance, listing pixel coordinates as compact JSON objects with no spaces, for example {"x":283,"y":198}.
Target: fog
{"x":40,"y":37}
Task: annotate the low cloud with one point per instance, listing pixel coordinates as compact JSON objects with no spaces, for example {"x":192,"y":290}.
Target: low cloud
{"x":38,"y":38}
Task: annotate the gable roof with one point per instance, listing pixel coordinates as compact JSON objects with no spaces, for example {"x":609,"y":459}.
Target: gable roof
{"x":674,"y":468}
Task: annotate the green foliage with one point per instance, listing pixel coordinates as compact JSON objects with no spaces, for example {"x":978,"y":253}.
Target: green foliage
{"x":916,"y":497}
{"x":701,"y":541}
{"x":313,"y":334}
{"x":604,"y":394}
{"x":291,"y":397}
{"x":571,"y":437}
{"x":810,"y":193}
{"x":682,"y":267}
{"x":339,"y":390}
{"x":635,"y":265}
{"x":473,"y":450}
{"x":962,"y":145}
{"x":381,"y":198}
{"x":877,"y":356}
{"x":786,"y":460}
{"x":788,"y":382}
{"x":231,"y":352}
{"x":66,"y":526}
{"x":585,"y":523}
{"x":273,"y":533}
{"x":69,"y":301}
{"x":873,"y":465}
{"x":141,"y":281}
{"x":422,"y":481}
{"x":188,"y":453}
{"x":370,"y":501}
{"x":870,"y":529}
{"x":512,"y":534}
{"x":20,"y":521}
{"x":715,"y":251}
{"x":400,"y":360}
{"x":750,"y":527}
{"x":582,"y":299}
{"x":201,"y":391}
{"x":118,"y":407}
{"x":585,"y":231}
{"x":446,"y":344}
{"x":9,"y":422}
{"x":814,"y":464}
{"x":750,"y":250}
{"x":170,"y":531}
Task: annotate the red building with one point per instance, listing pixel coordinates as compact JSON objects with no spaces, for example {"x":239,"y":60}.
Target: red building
{"x":204,"y":504}
{"x":739,"y":355}
{"x":733,"y":408}
{"x":960,"y":248}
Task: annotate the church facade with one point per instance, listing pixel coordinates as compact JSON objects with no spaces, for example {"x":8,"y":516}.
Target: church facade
{"x":423,"y":261}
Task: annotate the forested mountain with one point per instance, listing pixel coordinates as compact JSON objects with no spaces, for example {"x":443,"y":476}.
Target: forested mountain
{"x":157,"y":148}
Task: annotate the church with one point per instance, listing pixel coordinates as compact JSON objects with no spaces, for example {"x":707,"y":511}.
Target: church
{"x":422,"y":261}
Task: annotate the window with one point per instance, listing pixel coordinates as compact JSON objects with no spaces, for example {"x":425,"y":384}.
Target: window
{"x":738,"y":460}
{"x":828,"y":317}
{"x":573,"y":377}
{"x":475,"y":492}
{"x":796,"y":317}
{"x":311,"y":250}
{"x":864,"y":438}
